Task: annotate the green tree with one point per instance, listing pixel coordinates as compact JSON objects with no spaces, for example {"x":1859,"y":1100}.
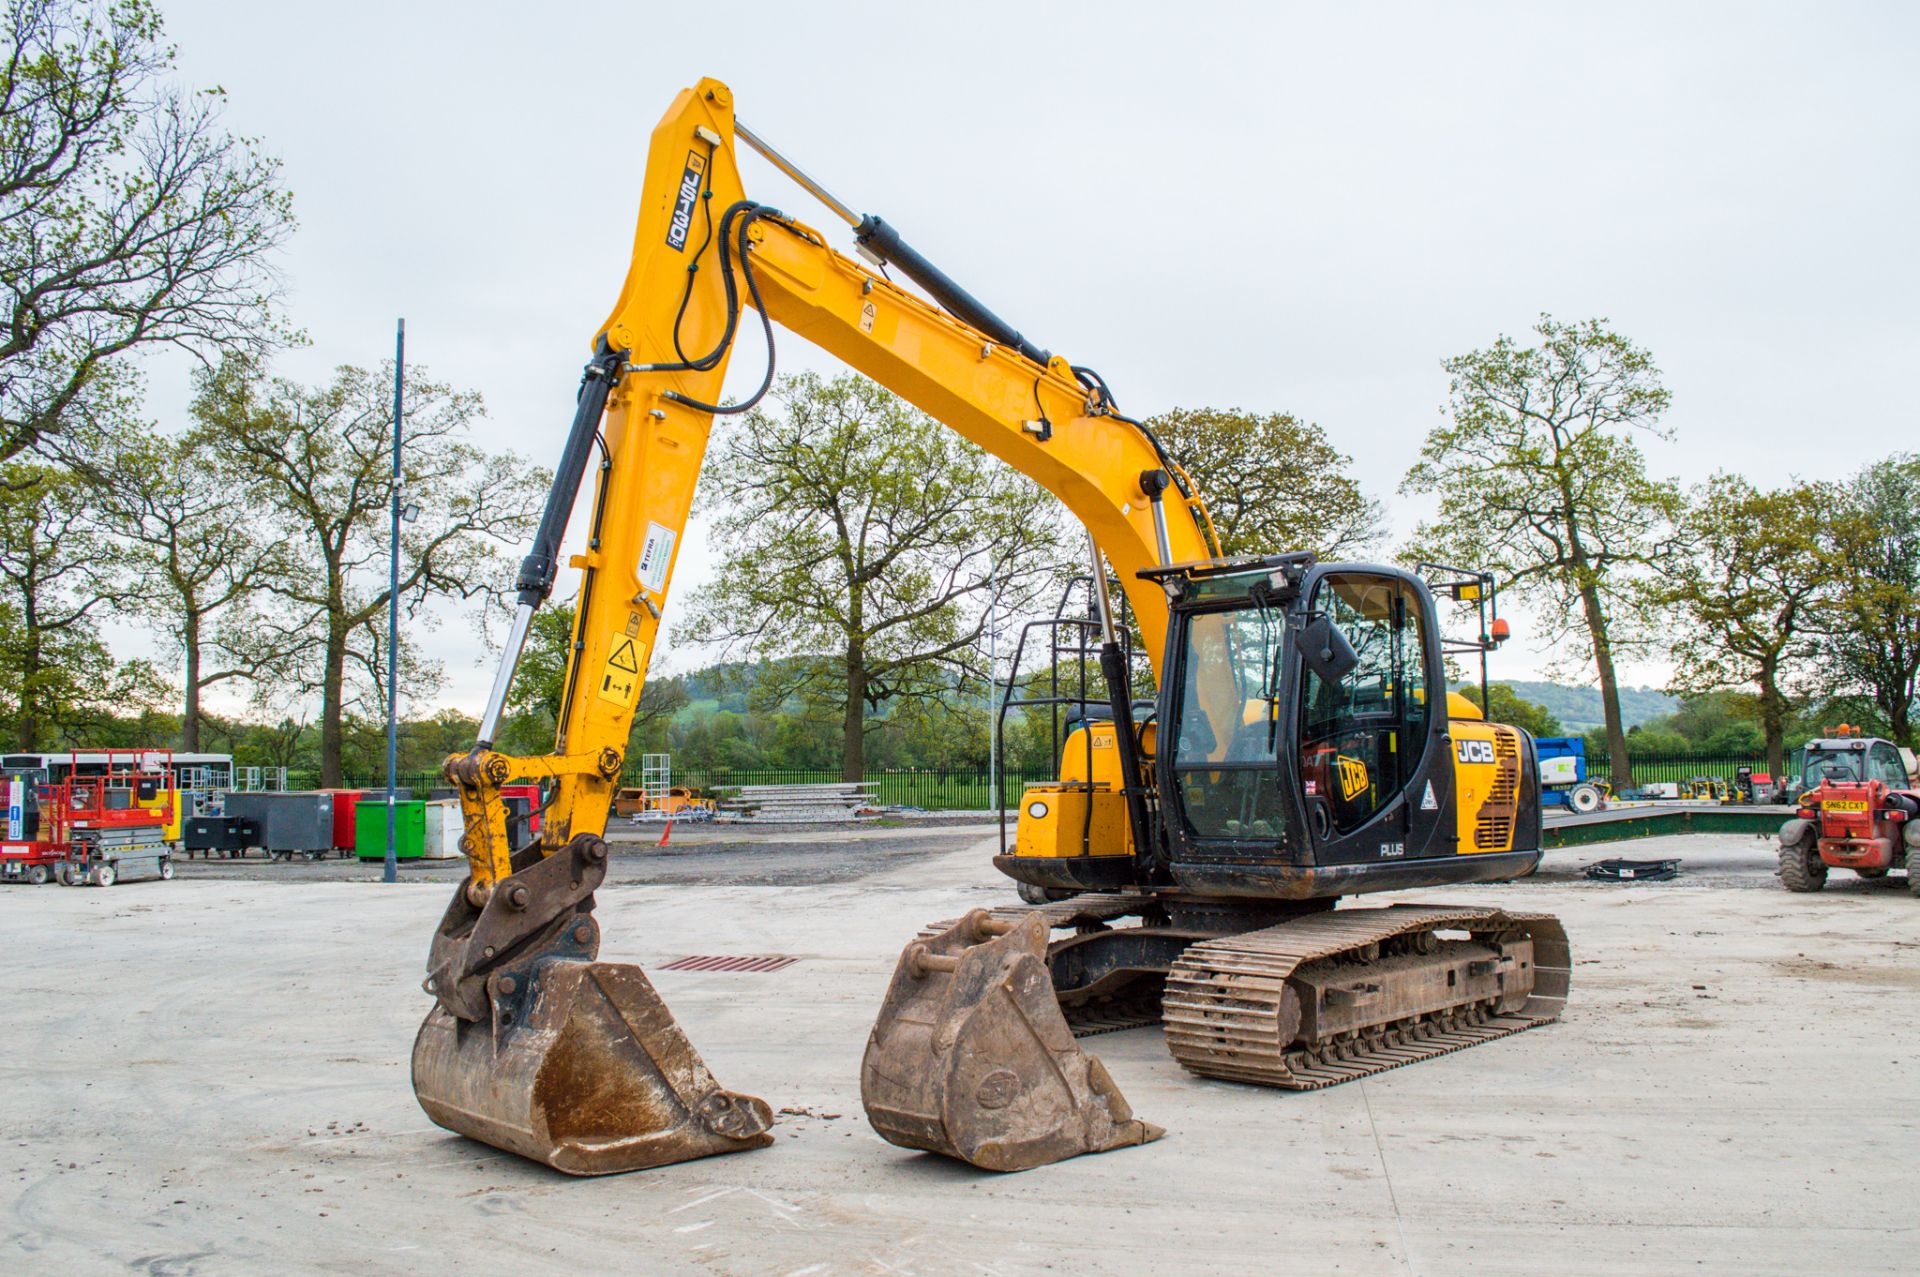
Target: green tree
{"x":539,"y":686}
{"x":1511,"y":708}
{"x":199,"y":562}
{"x":1541,"y":481}
{"x":128,"y":217}
{"x":1272,"y":482}
{"x":1870,"y":623}
{"x":58,"y":576}
{"x":861,"y":540}
{"x":1708,"y":720}
{"x":425,"y":742}
{"x":1745,"y":590}
{"x":317,"y":461}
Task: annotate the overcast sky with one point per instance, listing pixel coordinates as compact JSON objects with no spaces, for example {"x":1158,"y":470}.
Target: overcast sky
{"x":1301,"y":208}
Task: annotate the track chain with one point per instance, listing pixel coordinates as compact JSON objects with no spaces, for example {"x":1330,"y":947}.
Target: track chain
{"x":1222,"y":1008}
{"x":1221,"y":1002}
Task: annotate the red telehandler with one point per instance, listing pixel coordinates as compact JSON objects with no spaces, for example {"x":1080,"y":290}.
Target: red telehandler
{"x":1858,"y":810}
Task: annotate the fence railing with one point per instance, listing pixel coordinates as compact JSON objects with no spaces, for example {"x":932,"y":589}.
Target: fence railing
{"x":941,"y":790}
{"x":1654,"y":769}
{"x":931,"y":790}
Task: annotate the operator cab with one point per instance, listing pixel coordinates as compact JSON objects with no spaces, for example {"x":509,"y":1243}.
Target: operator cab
{"x":1307,"y":750}
{"x":1301,"y":747}
{"x":1850,"y":759}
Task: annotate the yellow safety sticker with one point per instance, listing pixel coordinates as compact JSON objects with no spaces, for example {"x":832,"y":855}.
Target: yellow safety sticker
{"x":620,"y":679}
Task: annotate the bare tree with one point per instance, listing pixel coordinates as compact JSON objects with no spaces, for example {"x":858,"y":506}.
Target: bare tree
{"x":128,"y":217}
{"x":861,"y":540}
{"x":319,"y":462}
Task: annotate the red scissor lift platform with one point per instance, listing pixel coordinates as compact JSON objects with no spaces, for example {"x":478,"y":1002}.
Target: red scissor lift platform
{"x":105,"y":820}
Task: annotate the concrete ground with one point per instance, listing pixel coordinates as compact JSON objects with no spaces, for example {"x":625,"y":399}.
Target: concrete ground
{"x":768,"y":855}
{"x":210,"y":1076}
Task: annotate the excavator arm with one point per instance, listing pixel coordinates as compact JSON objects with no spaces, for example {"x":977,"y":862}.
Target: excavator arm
{"x":533,"y":1045}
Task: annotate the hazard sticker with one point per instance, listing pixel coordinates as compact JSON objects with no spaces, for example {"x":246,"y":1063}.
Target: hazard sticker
{"x":1427,"y":801}
{"x":620,"y":678}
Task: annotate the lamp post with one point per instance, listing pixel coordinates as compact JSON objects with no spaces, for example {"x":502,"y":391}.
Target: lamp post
{"x":993,"y":675}
{"x":392,"y":872}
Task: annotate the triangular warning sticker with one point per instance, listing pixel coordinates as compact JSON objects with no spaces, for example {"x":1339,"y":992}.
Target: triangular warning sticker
{"x":1427,"y":802}
{"x":623,"y":657}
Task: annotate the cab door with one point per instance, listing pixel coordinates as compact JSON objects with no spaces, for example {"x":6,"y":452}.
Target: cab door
{"x":1373,"y":779}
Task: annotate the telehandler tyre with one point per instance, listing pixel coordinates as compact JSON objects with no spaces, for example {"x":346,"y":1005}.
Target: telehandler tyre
{"x":1801,"y":868}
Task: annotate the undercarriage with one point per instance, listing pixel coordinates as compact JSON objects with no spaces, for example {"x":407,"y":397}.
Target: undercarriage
{"x":1295,"y":997}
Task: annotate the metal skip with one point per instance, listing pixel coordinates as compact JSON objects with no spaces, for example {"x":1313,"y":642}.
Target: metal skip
{"x":568,"y":1061}
{"x":971,"y":1056}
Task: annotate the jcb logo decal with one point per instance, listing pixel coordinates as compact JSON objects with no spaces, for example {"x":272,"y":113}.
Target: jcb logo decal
{"x":683,"y":201}
{"x":1353,"y":776}
{"x":1476,"y":751}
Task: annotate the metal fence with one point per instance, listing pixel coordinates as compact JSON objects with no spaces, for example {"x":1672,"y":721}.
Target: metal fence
{"x":928,"y":790}
{"x":1653,"y":768}
{"x":937,"y":790}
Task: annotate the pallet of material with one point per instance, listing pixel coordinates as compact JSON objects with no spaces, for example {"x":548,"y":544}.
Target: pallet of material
{"x":844,"y":801}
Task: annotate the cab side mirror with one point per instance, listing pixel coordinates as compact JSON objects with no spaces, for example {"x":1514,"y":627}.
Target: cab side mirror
{"x":1326,"y":651}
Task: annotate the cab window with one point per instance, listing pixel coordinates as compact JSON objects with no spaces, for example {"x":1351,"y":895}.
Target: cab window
{"x":1832,"y":764}
{"x":1885,"y":766}
{"x":1226,"y":732}
{"x":1361,"y":738}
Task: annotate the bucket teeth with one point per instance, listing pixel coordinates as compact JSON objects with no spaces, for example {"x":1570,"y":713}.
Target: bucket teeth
{"x":581,"y":1066}
{"x":972,"y":1058}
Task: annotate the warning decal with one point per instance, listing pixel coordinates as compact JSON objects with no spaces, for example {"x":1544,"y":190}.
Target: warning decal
{"x":1427,"y":803}
{"x":620,"y":679}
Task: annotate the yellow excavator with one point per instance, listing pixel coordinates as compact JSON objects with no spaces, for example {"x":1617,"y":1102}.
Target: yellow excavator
{"x":1183,"y":869}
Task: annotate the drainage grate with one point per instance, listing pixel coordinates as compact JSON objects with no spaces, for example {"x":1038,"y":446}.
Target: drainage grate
{"x":727,"y":962}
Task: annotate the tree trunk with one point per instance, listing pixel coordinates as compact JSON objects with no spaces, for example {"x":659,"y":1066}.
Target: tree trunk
{"x":1620,"y":770}
{"x":1895,"y":697}
{"x":853,"y":745}
{"x":1773,"y":719}
{"x":28,"y":726}
{"x":190,"y":710}
{"x":332,"y":691}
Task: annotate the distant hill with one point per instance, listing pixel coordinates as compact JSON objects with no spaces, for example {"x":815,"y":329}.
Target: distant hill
{"x":1578,"y":708}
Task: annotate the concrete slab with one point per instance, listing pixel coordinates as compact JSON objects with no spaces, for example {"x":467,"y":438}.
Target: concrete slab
{"x":210,"y":1077}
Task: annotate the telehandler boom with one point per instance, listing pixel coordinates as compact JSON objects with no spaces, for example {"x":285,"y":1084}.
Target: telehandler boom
{"x":1302,"y":747}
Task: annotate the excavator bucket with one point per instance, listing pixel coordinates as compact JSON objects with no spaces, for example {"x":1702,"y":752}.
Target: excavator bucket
{"x":559,"y":1058}
{"x":971,"y":1056}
